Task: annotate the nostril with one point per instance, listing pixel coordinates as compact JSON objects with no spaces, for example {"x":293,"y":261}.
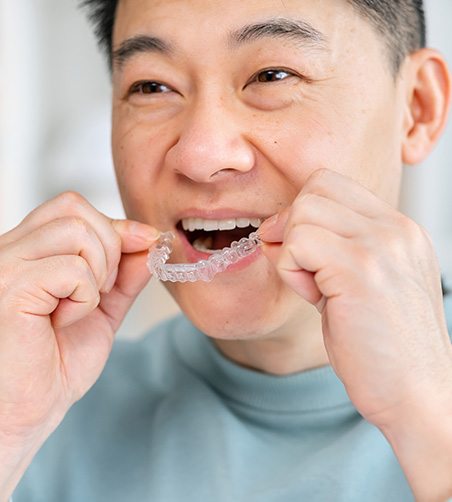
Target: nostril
{"x":205,"y":153}
{"x":206,"y":175}
{"x":226,"y":170}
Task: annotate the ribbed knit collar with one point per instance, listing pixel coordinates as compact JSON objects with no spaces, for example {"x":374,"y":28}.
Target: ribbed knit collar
{"x":307,"y":391}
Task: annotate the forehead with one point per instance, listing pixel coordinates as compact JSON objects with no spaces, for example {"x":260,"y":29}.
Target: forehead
{"x":188,"y":21}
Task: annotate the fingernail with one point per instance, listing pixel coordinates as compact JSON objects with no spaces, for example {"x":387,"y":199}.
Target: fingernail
{"x":145,"y":232}
{"x":268,"y":224}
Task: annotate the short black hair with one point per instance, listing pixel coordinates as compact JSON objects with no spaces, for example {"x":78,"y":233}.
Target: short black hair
{"x":401,"y":23}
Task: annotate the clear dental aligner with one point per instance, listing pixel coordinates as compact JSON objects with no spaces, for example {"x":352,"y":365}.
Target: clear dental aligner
{"x":204,"y":270}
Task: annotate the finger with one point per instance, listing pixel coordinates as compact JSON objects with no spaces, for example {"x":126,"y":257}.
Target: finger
{"x":323,"y":253}
{"x":73,"y":204}
{"x":345,"y":191}
{"x":326,"y":213}
{"x":304,"y":284}
{"x":272,"y":252}
{"x":315,"y":210}
{"x":64,"y":236}
{"x":63,"y":287}
{"x":272,"y":229}
{"x":301,"y":281}
{"x":133,"y":240}
{"x":135,"y":236}
{"x":133,"y":275}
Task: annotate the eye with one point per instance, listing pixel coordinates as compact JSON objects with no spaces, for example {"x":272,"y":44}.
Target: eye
{"x":273,"y":75}
{"x":274,"y":87}
{"x":149,"y":87}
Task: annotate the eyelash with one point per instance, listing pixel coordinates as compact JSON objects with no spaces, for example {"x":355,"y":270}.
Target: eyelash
{"x":137,"y":88}
{"x":275,"y":72}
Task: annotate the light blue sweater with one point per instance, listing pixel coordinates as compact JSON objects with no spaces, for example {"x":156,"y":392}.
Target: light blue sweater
{"x":172,"y":420}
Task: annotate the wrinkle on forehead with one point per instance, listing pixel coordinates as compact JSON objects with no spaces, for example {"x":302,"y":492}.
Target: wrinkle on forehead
{"x":141,"y":14}
{"x":194,"y":26}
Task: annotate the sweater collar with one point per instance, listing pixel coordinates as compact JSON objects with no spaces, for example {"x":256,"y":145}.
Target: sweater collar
{"x":308,"y":391}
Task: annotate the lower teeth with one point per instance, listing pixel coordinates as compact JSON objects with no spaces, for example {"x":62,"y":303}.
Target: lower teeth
{"x":204,"y":245}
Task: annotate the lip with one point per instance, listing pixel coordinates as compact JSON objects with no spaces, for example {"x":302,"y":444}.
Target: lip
{"x":192,"y":255}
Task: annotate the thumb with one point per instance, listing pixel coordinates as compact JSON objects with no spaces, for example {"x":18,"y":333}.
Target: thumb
{"x":135,"y":236}
{"x":272,"y":229}
{"x":133,"y":275}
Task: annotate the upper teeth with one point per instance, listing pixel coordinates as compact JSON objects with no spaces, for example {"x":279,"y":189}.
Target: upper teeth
{"x":192,"y":224}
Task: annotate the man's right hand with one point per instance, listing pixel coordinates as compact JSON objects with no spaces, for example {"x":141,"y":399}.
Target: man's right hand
{"x":68,"y":276}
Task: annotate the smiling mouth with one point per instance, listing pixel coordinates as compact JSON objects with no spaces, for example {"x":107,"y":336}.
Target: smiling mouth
{"x":209,"y":236}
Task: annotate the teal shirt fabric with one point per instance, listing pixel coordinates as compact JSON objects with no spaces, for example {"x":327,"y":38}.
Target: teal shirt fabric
{"x":172,"y":420}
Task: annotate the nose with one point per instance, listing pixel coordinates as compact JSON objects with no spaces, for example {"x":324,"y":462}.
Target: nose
{"x":211,"y":145}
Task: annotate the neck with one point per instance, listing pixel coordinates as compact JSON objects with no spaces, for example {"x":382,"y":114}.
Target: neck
{"x":298,"y":347}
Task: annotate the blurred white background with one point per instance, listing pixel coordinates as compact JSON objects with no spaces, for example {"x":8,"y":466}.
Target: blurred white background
{"x":54,"y":129}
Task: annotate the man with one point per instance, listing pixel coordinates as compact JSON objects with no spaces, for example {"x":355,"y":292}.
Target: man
{"x":326,"y":370}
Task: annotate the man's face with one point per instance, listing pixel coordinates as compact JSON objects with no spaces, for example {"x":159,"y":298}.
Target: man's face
{"x":225,"y":114}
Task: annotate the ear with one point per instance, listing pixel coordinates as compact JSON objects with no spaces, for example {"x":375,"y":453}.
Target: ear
{"x":428,"y":83}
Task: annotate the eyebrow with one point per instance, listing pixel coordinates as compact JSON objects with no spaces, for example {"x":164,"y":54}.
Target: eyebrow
{"x":137,"y":45}
{"x":291,"y":29}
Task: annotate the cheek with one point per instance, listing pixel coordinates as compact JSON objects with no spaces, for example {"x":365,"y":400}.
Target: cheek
{"x":298,"y":143}
{"x":129,"y":173}
{"x":360,"y":142}
{"x":373,"y":153}
{"x":134,"y":147}
{"x":140,"y":139}
{"x":138,"y":152}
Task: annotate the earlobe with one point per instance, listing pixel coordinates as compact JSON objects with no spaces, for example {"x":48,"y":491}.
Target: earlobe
{"x":428,"y":101}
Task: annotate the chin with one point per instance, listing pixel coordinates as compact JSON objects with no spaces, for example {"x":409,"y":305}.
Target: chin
{"x":245,"y":305}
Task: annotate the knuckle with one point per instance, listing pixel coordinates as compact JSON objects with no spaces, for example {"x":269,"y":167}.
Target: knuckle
{"x":317,"y":183}
{"x":303,"y":207}
{"x":71,"y":199}
{"x":369,"y":265}
{"x":415,"y":233}
{"x":76,"y":271}
{"x":406,"y":225}
{"x":390,"y":239}
{"x":297,"y":239}
{"x":402,"y":234}
{"x":79,"y":266}
{"x":317,"y":178}
{"x":307,"y":201}
{"x":76,"y":225}
{"x":425,"y":236}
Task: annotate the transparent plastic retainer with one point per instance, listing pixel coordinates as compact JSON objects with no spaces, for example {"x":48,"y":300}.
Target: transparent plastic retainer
{"x":204,"y":270}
